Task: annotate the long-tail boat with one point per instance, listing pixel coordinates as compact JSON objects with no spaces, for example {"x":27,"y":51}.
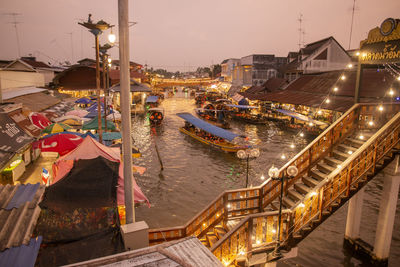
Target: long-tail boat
{"x":214,"y":136}
{"x":299,"y":123}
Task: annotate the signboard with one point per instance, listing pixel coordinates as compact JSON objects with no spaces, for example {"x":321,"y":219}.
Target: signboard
{"x":383,"y":44}
{"x":24,"y":123}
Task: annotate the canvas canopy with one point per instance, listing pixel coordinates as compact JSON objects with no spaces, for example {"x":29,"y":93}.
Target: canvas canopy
{"x":302,"y":117}
{"x":39,"y":120}
{"x":90,"y":149}
{"x":62,"y":143}
{"x":152,"y":99}
{"x":212,"y":129}
{"x":94,"y":125}
{"x":12,"y":139}
{"x":241,"y":106}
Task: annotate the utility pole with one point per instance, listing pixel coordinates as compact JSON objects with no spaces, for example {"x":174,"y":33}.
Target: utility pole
{"x":123,"y":28}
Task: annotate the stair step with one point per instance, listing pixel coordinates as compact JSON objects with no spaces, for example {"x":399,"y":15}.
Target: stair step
{"x":275,"y":204}
{"x":355,"y":142}
{"x":288,"y":202}
{"x":297,"y":235}
{"x":345,"y":148}
{"x":295,"y":195}
{"x":332,"y":161}
{"x":204,"y":241}
{"x":302,"y":188}
{"x":340,"y":155}
{"x":212,"y":238}
{"x":306,"y":228}
{"x":326,"y":212}
{"x":316,"y":174}
{"x":310,"y":182}
{"x":220,"y":231}
{"x":325,"y":168}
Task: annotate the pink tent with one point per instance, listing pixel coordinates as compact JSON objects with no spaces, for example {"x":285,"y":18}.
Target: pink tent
{"x":77,"y":112}
{"x":39,"y":120}
{"x":90,"y":149}
{"x":60,"y":143}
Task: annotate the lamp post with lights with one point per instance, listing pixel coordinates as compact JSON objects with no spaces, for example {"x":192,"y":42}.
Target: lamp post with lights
{"x":96,"y":29}
{"x":247,"y":154}
{"x":273,"y":172}
{"x":104,"y":58}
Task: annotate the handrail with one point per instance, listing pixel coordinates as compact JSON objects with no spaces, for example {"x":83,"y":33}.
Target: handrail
{"x":244,"y":201}
{"x":302,"y":215}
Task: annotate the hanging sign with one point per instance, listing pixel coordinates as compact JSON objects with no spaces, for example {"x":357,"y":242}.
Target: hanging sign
{"x":383,"y":44}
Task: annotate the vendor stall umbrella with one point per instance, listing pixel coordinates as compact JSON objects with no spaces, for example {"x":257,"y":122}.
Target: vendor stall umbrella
{"x":56,"y":128}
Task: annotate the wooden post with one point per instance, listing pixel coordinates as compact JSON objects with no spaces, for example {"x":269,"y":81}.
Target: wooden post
{"x":358,"y":82}
{"x":98,"y":91}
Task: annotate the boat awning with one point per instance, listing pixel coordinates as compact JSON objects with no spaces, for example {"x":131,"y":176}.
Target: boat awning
{"x":214,"y":130}
{"x":241,"y":106}
{"x":301,"y":117}
{"x":156,"y":110}
{"x":152,"y":99}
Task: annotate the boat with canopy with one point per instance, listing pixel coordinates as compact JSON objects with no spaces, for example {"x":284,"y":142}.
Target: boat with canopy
{"x":211,"y":114}
{"x":215,"y":136}
{"x":245,"y":113}
{"x":299,"y":122}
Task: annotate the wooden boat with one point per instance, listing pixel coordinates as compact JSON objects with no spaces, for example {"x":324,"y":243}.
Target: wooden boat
{"x":212,"y":135}
{"x":156,"y":116}
{"x":243,"y":113}
{"x":212,"y":115}
{"x":302,"y":124}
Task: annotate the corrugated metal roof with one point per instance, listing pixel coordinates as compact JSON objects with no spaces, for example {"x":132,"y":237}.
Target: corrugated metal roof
{"x":312,"y":89}
{"x":17,"y":223}
{"x":184,"y":252}
{"x":14,"y":92}
{"x":36,"y":102}
{"x":22,"y":256}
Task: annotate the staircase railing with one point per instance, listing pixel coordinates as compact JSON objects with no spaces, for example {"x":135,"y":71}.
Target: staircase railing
{"x":246,"y":201}
{"x":243,"y":239}
{"x":254,"y":231}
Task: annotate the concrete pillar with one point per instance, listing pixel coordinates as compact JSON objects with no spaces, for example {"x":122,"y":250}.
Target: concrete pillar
{"x":387,"y":210}
{"x":354,"y":215}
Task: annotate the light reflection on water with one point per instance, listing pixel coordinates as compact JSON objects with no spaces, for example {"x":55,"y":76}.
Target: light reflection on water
{"x":195,"y":174}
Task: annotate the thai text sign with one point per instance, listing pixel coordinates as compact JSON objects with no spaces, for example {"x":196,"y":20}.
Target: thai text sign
{"x":382,"y":52}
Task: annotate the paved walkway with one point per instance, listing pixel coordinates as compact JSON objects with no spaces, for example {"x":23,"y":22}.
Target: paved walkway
{"x":33,"y":172}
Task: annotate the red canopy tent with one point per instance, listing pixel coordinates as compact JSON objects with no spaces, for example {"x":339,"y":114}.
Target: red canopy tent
{"x":39,"y":120}
{"x":90,"y":149}
{"x":61,"y":143}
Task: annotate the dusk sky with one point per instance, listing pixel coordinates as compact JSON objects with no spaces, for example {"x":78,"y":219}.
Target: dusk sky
{"x":184,"y":34}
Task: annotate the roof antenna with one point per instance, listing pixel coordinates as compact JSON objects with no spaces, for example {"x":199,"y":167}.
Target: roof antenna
{"x":352,"y":20}
{"x":301,"y":32}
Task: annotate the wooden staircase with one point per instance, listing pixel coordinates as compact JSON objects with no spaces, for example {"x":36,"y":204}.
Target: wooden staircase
{"x":332,"y":169}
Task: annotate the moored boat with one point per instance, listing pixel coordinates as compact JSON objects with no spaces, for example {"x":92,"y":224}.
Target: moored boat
{"x":244,"y":113}
{"x":302,"y":124}
{"x":156,"y":116}
{"x":214,"y":136}
{"x":213,"y":116}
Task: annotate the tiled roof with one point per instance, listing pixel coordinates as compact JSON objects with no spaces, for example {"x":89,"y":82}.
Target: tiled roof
{"x":36,"y":101}
{"x":35,"y":64}
{"x":19,"y":213}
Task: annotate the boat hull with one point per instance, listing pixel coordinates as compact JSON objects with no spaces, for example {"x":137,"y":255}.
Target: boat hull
{"x":228,"y":148}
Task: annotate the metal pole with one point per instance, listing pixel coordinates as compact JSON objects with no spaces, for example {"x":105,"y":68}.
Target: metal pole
{"x":126,"y":107}
{"x":358,"y":82}
{"x":247,"y":171}
{"x":100,"y":130}
{"x":278,"y":243}
{"x":105,"y":89}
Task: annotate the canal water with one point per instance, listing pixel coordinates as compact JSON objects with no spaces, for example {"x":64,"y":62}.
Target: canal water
{"x":195,"y":174}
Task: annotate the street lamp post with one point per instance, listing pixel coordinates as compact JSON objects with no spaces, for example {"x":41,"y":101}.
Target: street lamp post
{"x":96,"y":29}
{"x":273,"y":172}
{"x":247,"y":154}
{"x":103,"y":50}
